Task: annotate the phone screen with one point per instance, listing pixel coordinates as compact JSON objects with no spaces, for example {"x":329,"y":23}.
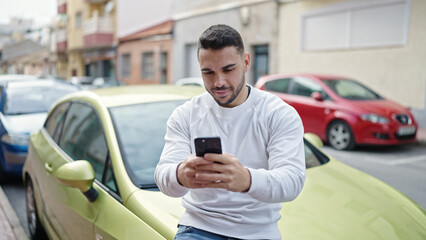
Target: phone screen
{"x":205,"y":145}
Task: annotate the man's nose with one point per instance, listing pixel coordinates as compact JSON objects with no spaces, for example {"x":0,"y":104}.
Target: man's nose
{"x":220,"y":80}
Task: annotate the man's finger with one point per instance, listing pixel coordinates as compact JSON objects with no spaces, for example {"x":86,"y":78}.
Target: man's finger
{"x":209,"y":177}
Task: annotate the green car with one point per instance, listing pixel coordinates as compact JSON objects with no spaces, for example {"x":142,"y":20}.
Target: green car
{"x":89,"y":174}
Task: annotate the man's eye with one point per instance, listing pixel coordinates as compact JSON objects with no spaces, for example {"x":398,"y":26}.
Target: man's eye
{"x":207,"y":73}
{"x":228,"y":70}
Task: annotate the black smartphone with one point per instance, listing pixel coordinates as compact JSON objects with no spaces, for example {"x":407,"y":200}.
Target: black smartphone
{"x":205,"y":145}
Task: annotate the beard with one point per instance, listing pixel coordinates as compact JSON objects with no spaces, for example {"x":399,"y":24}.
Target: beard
{"x":234,"y":95}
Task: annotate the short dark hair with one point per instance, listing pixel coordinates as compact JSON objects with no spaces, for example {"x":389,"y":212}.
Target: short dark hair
{"x":220,"y":36}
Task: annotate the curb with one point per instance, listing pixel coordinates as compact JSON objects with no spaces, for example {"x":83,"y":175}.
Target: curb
{"x":11,"y":217}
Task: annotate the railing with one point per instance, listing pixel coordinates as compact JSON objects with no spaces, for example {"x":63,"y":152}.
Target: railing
{"x":95,"y":1}
{"x":61,"y":40}
{"x":61,"y":35}
{"x":98,"y":25}
{"x":62,"y":6}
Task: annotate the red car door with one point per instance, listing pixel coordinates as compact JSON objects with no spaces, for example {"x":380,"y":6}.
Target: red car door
{"x":312,"y":109}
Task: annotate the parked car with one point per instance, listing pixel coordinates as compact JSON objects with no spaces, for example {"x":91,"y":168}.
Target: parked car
{"x":90,"y":174}
{"x":24,"y":103}
{"x":190,"y":81}
{"x":87,"y":82}
{"x":342,"y":111}
{"x":16,"y":77}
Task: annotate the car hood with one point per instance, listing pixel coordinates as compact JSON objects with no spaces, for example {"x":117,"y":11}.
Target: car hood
{"x":337,"y":202}
{"x":340,"y":202}
{"x":383,"y":107}
{"x":25,"y":123}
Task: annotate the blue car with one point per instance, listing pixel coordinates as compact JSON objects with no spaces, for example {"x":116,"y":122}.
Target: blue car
{"x":24,"y":103}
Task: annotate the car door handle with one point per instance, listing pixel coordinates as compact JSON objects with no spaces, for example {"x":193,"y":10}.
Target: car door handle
{"x":48,"y":167}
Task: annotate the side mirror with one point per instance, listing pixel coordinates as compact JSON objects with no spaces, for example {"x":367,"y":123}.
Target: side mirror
{"x":317,"y":96}
{"x":314,"y":140}
{"x":78,"y":174}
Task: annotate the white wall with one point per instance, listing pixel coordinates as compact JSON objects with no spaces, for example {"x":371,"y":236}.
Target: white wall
{"x":136,"y":15}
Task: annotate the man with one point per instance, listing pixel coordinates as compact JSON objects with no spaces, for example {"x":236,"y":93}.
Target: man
{"x":237,"y":194}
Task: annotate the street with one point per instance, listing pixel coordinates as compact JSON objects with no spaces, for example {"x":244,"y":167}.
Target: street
{"x":402,"y":167}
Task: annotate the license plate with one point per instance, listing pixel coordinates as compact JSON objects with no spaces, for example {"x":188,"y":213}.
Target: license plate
{"x":402,"y":131}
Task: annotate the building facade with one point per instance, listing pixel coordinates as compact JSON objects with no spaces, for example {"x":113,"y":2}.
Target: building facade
{"x":380,"y":43}
{"x":145,"y":57}
{"x":256,"y":20}
{"x":91,"y":37}
{"x":144,"y":53}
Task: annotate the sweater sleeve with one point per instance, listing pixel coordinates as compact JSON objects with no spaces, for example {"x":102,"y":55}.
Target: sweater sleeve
{"x":284,"y":179}
{"x":176,"y":149}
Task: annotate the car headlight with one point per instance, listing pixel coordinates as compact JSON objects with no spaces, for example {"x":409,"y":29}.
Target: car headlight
{"x":374,"y":118}
{"x":15,"y":139}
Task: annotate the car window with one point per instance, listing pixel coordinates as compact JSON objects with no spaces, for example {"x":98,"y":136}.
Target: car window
{"x":33,"y":99}
{"x":140,"y":131}
{"x":351,"y":90}
{"x":304,"y":87}
{"x":314,"y":157}
{"x":83,"y":137}
{"x":1,"y":93}
{"x":278,"y":85}
{"x":310,"y":159}
{"x":109,"y":177}
{"x":55,"y":121}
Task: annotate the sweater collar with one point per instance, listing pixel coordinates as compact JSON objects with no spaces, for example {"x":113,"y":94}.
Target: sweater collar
{"x":234,"y":111}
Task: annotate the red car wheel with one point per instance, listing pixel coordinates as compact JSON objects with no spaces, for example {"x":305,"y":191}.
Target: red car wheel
{"x":340,"y":136}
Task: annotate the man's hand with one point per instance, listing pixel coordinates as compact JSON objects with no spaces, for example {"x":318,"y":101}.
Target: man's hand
{"x":214,"y":171}
{"x":186,"y":172}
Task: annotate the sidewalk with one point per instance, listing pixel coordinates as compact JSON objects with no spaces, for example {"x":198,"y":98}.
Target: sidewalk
{"x":11,"y":228}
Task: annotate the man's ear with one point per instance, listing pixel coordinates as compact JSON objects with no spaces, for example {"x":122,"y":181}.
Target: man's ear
{"x":246,"y":61}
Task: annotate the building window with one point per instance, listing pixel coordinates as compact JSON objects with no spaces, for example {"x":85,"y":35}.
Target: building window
{"x":192,"y":68}
{"x":261,"y":62}
{"x":163,"y":67}
{"x":357,"y":24}
{"x":78,"y":20}
{"x":125,"y":65}
{"x":148,"y":65}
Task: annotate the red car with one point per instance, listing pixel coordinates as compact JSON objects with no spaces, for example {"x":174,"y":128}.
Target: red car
{"x":343,"y":112}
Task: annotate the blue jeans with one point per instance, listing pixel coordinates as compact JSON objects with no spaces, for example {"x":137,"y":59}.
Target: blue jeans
{"x":192,"y":233}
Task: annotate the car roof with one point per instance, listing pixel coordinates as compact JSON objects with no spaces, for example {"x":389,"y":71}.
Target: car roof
{"x":16,"y":77}
{"x":266,"y":78}
{"x":310,"y":75}
{"x":36,"y":83}
{"x":134,"y":94}
{"x":190,"y":81}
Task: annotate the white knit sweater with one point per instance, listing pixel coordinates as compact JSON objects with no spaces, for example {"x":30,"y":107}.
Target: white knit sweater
{"x":266,"y":135}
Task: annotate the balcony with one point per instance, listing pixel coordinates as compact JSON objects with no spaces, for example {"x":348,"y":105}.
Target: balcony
{"x":96,"y":1}
{"x":98,"y":32}
{"x":62,"y":6}
{"x":61,"y":40}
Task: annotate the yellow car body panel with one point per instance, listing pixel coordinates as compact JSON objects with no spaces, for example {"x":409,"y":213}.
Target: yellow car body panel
{"x":337,"y":202}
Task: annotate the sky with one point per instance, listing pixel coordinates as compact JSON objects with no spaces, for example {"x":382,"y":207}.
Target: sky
{"x":41,"y":11}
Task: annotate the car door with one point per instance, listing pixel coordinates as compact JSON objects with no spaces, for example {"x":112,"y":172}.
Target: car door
{"x":312,"y":112}
{"x":80,"y":135}
{"x":69,"y":214}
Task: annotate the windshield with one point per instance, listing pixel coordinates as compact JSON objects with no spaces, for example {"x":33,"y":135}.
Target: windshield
{"x":33,"y":99}
{"x":350,"y":89}
{"x":140,"y":131}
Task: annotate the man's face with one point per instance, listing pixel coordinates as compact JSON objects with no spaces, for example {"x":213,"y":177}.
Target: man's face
{"x":223,"y":73}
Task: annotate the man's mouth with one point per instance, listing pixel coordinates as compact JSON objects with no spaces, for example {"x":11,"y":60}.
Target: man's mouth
{"x":221,"y":92}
